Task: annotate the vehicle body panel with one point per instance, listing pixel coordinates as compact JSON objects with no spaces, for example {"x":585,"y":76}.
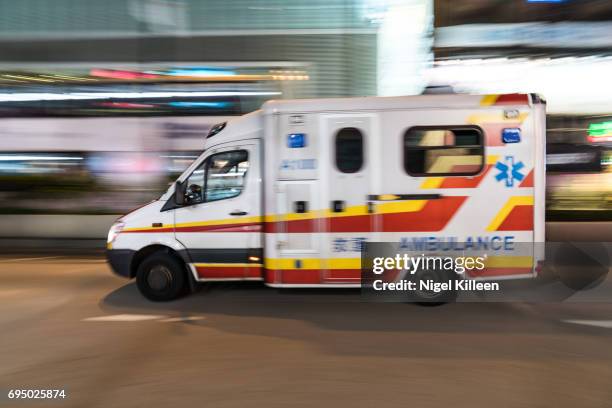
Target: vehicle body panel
{"x":306,"y":220}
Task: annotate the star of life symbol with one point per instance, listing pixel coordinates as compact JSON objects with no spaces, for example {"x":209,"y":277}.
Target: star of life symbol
{"x":510,"y":171}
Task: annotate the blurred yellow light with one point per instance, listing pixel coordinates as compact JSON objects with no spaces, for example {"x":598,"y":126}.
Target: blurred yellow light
{"x":22,"y":77}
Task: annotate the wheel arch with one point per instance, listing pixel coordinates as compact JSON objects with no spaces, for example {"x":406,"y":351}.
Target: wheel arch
{"x":149,"y":250}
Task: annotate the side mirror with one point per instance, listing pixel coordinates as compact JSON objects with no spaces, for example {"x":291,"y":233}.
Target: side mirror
{"x":179,"y":193}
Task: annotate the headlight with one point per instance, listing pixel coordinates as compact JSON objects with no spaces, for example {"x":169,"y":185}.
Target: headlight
{"x":114,"y":231}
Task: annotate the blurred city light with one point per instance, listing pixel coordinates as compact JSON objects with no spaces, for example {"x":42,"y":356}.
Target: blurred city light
{"x":600,"y":132}
{"x":102,"y":106}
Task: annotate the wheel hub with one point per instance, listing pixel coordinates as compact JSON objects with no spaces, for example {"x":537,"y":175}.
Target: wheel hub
{"x":159,"y":278}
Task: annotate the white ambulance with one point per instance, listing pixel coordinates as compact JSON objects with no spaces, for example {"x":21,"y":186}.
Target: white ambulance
{"x":288,"y":194}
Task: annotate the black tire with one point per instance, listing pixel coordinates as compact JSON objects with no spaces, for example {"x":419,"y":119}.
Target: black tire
{"x":424,"y":298}
{"x":161,"y":278}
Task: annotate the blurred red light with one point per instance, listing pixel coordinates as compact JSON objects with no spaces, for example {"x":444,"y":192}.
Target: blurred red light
{"x":120,"y":74}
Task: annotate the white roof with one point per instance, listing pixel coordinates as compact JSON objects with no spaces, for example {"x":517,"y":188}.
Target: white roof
{"x":241,"y":127}
{"x":375,"y":103}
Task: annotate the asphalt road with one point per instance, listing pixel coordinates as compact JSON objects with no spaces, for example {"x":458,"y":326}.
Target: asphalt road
{"x":69,"y":323}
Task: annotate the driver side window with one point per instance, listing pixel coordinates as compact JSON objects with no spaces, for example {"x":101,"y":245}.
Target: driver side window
{"x":195,"y":184}
{"x":219,"y":177}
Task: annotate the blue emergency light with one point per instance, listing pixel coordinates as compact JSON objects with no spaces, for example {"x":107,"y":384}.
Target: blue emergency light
{"x":511,"y":135}
{"x":296,"y":140}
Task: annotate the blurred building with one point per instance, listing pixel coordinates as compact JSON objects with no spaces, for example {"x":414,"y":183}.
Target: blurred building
{"x":103,"y":103}
{"x":334,"y":40}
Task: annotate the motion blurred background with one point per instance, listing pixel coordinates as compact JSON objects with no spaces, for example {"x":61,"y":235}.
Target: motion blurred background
{"x":102,"y":104}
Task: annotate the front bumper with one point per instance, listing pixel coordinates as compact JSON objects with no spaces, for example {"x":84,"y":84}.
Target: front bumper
{"x":120,"y":261}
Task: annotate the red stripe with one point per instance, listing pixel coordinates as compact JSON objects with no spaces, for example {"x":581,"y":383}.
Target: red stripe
{"x":512,"y":99}
{"x":246,"y":227}
{"x":220,"y":272}
{"x":528,"y":182}
{"x":293,"y":226}
{"x":465,"y":182}
{"x":301,"y":226}
{"x":302,"y":276}
{"x":338,"y":275}
{"x":519,"y":219}
{"x":149,"y":231}
{"x":271,"y":276}
{"x":357,"y":223}
{"x":433,"y":217}
{"x":254,"y":271}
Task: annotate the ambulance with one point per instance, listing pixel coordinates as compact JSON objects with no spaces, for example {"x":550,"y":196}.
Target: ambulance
{"x":289,"y":194}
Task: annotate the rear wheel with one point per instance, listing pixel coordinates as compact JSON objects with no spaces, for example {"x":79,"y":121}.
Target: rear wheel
{"x":160,"y":278}
{"x":431,"y":297}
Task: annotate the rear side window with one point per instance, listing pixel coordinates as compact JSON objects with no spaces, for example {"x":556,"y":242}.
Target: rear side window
{"x":349,"y":150}
{"x":438,"y":151}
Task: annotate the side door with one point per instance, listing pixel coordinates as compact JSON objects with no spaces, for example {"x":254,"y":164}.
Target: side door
{"x":298,"y":201}
{"x":349,"y":222}
{"x":221,"y":223}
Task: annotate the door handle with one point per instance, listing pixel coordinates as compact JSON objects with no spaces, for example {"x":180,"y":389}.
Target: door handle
{"x":238,"y":212}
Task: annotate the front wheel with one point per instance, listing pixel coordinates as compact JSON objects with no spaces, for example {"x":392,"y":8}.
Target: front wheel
{"x":161,"y":278}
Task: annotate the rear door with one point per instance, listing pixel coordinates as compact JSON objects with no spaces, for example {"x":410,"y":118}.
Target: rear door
{"x":221,"y":224}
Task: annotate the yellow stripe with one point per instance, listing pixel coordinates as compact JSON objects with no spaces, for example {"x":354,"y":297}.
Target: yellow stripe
{"x":507,"y":208}
{"x":509,"y":262}
{"x":488,"y":100}
{"x":387,"y":197}
{"x":432,"y":182}
{"x":492,"y":159}
{"x":228,"y":265}
{"x":496,"y":118}
{"x":294,"y":216}
{"x":148,"y":228}
{"x":355,"y":263}
{"x":242,"y":220}
{"x":314,"y":214}
{"x":381,"y":208}
{"x":400,"y":206}
{"x":227,"y":221}
{"x":287,"y":263}
{"x":313,"y":263}
{"x":387,"y":207}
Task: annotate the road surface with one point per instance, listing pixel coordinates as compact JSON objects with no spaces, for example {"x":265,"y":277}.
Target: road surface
{"x":69,"y":323}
